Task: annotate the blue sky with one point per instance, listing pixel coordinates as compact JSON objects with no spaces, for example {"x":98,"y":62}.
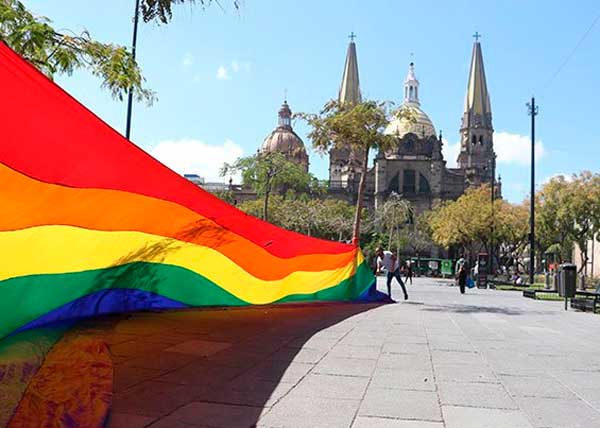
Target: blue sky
{"x":220,"y":75}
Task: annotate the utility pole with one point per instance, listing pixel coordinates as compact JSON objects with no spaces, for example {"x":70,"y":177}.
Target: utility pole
{"x":136,"y":18}
{"x":532,"y":111}
{"x":492,"y":249}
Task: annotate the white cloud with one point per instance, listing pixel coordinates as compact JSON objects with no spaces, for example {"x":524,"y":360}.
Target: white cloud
{"x":189,"y":156}
{"x":515,"y":148}
{"x":223,"y":73}
{"x":567,"y":177}
{"x":450,"y":152}
{"x":235,"y":66}
{"x":188,"y":60}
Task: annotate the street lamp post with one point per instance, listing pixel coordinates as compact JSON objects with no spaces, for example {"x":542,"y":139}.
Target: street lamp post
{"x":532,"y":110}
{"x":136,"y":17}
{"x":493,"y":197}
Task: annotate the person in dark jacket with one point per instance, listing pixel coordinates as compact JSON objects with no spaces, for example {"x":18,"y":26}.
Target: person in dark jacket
{"x":462,"y":278}
{"x":408,"y":273}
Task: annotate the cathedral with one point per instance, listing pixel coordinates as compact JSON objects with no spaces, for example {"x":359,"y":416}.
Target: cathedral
{"x":415,"y":168}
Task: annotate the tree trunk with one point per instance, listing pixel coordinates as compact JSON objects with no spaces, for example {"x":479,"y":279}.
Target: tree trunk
{"x":266,"y":207}
{"x":359,"y":202}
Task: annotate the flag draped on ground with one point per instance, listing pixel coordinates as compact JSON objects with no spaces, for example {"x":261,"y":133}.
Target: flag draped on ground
{"x":91,"y":224}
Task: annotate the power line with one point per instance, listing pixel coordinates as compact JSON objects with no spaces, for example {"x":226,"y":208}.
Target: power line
{"x":568,"y":58}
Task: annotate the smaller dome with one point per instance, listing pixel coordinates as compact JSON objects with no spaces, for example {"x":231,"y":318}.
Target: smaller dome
{"x":284,"y":140}
{"x":422,"y":127}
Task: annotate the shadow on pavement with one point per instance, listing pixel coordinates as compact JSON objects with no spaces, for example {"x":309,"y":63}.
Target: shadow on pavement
{"x":467,"y":309}
{"x":218,"y":368}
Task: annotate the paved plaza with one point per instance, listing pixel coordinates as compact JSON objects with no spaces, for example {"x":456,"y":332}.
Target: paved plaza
{"x":486,"y":359}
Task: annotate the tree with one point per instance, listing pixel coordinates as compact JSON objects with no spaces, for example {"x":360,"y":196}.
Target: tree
{"x":321,"y":218}
{"x":470,"y":222}
{"x":355,"y":127}
{"x":568,"y":212}
{"x":266,"y":172}
{"x":394,"y":215}
{"x":162,"y":10}
{"x":61,"y":52}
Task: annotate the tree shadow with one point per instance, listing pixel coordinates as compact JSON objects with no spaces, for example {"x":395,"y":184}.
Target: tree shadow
{"x":472,"y":309}
{"x":219,"y":367}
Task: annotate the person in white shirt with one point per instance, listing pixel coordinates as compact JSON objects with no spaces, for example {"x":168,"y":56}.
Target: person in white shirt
{"x":389,"y":261}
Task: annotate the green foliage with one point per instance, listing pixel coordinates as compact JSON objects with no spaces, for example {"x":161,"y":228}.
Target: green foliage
{"x":322,"y":218}
{"x":471,"y":223}
{"x":357,"y":128}
{"x":568,"y":211}
{"x":161,"y":11}
{"x":268,"y":172}
{"x":54,"y":52}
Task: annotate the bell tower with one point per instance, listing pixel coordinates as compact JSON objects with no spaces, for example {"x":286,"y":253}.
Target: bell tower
{"x":477,"y":155}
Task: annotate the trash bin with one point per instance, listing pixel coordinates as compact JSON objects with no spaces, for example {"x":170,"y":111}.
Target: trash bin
{"x":567,"y":284}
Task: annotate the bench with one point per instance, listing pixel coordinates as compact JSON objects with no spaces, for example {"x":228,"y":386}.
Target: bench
{"x":533,"y":294}
{"x":586,"y":300}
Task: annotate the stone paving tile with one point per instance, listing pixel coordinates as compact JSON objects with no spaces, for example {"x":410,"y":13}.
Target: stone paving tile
{"x":488,"y":395}
{"x":153,"y":398}
{"x":452,"y":358}
{"x":535,"y":386}
{"x":161,"y":361}
{"x":465,"y":374}
{"x":405,"y":348}
{"x":279,"y":371}
{"x":340,"y":387}
{"x":421,"y":380}
{"x":558,"y":413}
{"x":350,"y":351}
{"x":255,"y":393}
{"x":310,"y":412}
{"x":127,"y":420}
{"x":400,"y":404}
{"x":298,"y":355}
{"x":404,"y":362}
{"x":215,"y":415}
{"x":136,"y":348}
{"x":471,"y":417}
{"x":126,"y":376}
{"x":345,"y":366}
{"x":200,"y":373}
{"x":198,"y":348}
{"x":374,"y":422}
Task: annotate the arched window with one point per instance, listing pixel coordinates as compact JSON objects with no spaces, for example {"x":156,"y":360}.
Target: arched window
{"x":411,"y":92}
{"x":480,"y":139}
{"x":474,"y":140}
{"x":416,"y":92}
{"x":394,"y":185}
{"x":408,"y":182}
{"x":423,"y":184}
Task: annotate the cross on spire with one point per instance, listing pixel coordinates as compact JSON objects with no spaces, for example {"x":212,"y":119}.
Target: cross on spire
{"x":285,"y":91}
{"x":352,"y":36}
{"x":477,"y":36}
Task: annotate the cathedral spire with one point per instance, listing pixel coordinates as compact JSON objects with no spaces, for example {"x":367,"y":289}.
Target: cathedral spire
{"x":477,"y":100}
{"x":477,"y":132}
{"x":411,"y":86}
{"x":350,"y":88}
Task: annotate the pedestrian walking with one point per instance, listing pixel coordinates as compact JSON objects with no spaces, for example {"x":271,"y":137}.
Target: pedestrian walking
{"x":389,"y":261}
{"x":462,"y":278}
{"x":408,"y":273}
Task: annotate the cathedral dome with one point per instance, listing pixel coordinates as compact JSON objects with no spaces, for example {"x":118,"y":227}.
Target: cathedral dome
{"x":284,"y":140}
{"x":422,"y":127}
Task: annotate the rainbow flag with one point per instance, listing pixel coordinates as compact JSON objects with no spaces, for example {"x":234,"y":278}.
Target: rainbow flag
{"x":92,"y":224}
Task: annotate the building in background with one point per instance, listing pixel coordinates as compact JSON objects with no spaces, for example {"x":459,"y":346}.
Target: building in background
{"x":415,"y":168}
